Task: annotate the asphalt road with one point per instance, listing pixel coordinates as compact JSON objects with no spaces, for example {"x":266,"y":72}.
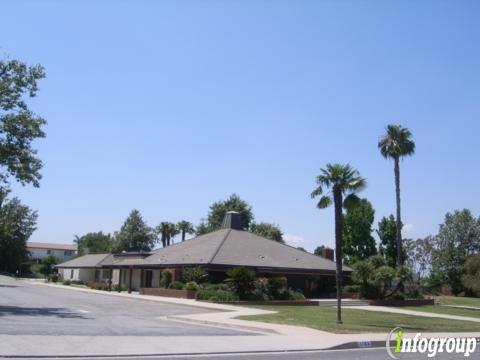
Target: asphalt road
{"x":355,"y":354}
{"x":29,"y":309}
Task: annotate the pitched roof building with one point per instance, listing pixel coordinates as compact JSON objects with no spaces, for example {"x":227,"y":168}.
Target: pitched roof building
{"x":216,"y":252}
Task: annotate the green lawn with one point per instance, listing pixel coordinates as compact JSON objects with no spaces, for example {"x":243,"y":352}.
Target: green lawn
{"x":357,"y":321}
{"x":462,"y":301}
{"x":438,"y":309}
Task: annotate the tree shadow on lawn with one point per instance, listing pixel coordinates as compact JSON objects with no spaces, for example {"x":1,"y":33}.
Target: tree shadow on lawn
{"x":31,"y":311}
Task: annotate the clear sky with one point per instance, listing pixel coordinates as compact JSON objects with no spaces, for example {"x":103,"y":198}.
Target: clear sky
{"x":168,"y":106}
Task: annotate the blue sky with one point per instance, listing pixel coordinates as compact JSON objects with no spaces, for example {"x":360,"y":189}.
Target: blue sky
{"x":169,"y":106}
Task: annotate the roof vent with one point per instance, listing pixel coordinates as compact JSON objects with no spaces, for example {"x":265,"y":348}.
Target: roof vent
{"x":232,"y":220}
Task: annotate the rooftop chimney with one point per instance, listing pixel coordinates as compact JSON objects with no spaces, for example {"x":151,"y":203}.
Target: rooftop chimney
{"x":327,"y":253}
{"x":232,"y":220}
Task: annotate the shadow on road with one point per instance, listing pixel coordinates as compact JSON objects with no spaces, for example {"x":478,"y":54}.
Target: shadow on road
{"x":32,"y":311}
{"x":7,"y":286}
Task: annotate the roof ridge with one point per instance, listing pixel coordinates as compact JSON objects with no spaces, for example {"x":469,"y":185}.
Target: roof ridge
{"x":154,"y":251}
{"x":220,"y":245}
{"x":293,"y":248}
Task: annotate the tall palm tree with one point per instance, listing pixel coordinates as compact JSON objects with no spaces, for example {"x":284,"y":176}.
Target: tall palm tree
{"x":185,"y":227}
{"x":344,"y":182}
{"x":395,"y":144}
{"x":167,"y":231}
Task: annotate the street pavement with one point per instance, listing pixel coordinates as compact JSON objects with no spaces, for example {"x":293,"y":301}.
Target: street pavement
{"x":26,"y":309}
{"x":352,"y":354}
{"x":44,"y":320}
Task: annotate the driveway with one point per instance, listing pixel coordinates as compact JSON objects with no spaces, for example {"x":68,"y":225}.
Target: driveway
{"x":29,"y":309}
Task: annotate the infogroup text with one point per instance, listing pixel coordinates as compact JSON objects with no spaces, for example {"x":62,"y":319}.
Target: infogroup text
{"x":431,"y":345}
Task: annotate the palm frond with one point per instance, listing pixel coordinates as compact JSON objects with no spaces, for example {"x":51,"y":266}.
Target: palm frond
{"x":396,"y":142}
{"x":325,"y":201}
{"x":317,"y":192}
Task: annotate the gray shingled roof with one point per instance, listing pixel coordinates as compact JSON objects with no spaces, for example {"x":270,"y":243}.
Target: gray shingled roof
{"x":224,"y":247}
{"x":232,"y":247}
{"x":88,"y":261}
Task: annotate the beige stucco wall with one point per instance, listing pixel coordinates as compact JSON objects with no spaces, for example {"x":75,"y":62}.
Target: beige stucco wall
{"x":40,"y":254}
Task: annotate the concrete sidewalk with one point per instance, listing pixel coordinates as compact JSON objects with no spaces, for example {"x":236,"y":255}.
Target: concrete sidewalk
{"x":415,"y":313}
{"x":273,"y":337}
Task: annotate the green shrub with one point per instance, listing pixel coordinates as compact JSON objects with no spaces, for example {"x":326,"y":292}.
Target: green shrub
{"x":362,"y":271}
{"x":376,"y":261}
{"x":242,"y":281}
{"x":35,"y":270}
{"x":295,"y":295}
{"x":54,"y":277}
{"x":383,"y":278}
{"x":205,"y":294}
{"x":66,"y":282}
{"x":117,"y":287}
{"x":224,"y":296}
{"x":192,"y":285}
{"x":77,"y":282}
{"x":97,"y":285}
{"x":257,"y":296}
{"x":277,"y":287}
{"x":216,"y":295}
{"x":414,"y":293}
{"x":47,"y":265}
{"x":195,"y":274}
{"x":223,"y":287}
{"x":354,"y":289}
{"x":166,"y":278}
{"x":176,"y":285}
{"x":370,"y":291}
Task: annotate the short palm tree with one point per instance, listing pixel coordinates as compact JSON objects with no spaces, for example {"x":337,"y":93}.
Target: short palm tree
{"x":395,"y":144}
{"x":185,"y":227}
{"x":344,"y":182}
{"x":167,"y":231}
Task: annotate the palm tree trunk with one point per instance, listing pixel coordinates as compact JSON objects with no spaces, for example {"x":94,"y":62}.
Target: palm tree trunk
{"x":183,"y":235}
{"x":399,"y":219}
{"x":337,"y":199}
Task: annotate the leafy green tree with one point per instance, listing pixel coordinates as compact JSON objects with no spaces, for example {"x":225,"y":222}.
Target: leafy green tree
{"x":457,"y":239}
{"x":376,"y":278}
{"x":135,"y":235}
{"x":220,"y":208}
{"x":387,"y":229}
{"x":471,"y":279}
{"x":358,"y":242}
{"x":201,"y":228}
{"x":17,"y":224}
{"x":19,"y":126}
{"x":343,"y":181}
{"x":167,"y":230}
{"x":47,"y":265}
{"x":94,"y":242}
{"x":419,"y":255}
{"x":395,"y":144}
{"x":185,"y":227}
{"x":318,"y":250}
{"x":269,"y":231}
{"x":382,"y":278}
{"x":362,"y":271}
